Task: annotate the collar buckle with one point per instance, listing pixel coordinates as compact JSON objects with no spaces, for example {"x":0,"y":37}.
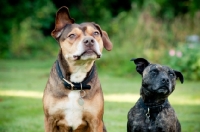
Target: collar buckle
{"x":72,"y":85}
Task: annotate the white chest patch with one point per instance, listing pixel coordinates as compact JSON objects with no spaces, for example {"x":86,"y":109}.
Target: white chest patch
{"x":73,"y":110}
{"x":78,"y":76}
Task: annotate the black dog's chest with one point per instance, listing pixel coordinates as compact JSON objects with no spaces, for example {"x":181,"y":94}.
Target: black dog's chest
{"x":159,"y":120}
{"x":151,"y":111}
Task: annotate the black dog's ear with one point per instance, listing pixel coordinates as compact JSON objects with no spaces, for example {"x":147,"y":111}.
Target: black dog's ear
{"x":179,"y":75}
{"x":141,"y":64}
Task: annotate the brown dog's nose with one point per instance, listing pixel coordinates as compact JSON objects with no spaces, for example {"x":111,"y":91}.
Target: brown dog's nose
{"x":89,"y":41}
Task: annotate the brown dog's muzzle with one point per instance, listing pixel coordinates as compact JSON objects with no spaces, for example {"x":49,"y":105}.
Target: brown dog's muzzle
{"x":88,"y":42}
{"x":90,"y":47}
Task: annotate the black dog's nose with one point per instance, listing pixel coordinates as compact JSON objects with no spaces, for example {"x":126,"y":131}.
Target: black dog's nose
{"x":165,"y":80}
{"x":89,"y":41}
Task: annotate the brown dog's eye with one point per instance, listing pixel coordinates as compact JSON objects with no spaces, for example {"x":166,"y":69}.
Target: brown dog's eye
{"x":96,"y":33}
{"x":71,"y":36}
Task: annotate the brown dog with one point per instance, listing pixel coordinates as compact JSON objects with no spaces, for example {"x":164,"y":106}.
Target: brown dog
{"x":73,"y":98}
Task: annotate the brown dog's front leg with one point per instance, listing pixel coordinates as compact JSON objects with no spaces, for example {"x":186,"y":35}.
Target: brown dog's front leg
{"x":47,"y":126}
{"x":97,"y":125}
{"x":51,"y":125}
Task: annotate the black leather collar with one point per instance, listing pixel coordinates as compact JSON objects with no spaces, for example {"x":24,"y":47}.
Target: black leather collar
{"x":152,"y":109}
{"x":75,"y":86}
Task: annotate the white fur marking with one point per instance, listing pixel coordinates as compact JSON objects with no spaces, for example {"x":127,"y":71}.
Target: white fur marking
{"x":73,"y":110}
{"x":78,"y":76}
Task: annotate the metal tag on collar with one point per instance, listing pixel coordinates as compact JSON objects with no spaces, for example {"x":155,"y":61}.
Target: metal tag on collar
{"x":147,"y":116}
{"x":72,"y":85}
{"x":80,"y":100}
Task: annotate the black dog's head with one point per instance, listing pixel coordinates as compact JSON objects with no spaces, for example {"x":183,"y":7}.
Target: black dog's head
{"x":158,"y":81}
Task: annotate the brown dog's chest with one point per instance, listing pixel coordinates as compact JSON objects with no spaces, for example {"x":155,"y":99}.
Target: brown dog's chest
{"x":72,"y":112}
{"x":62,"y":104}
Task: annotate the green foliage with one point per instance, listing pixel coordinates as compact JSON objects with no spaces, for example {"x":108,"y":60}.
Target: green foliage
{"x":21,"y":34}
{"x":27,"y":40}
{"x":185,"y":59}
{"x":141,"y":34}
{"x":142,"y":29}
{"x":100,"y":11}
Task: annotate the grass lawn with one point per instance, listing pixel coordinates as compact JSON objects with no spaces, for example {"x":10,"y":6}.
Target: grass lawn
{"x":22,"y":84}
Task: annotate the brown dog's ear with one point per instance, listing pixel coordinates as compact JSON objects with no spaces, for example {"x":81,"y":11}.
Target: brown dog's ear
{"x":141,"y":64}
{"x":106,"y":40}
{"x":179,"y":75}
{"x":62,"y":19}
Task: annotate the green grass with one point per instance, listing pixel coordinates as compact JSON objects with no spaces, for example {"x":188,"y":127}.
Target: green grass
{"x":22,"y":84}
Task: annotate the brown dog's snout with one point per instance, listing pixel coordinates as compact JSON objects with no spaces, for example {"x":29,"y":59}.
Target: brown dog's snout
{"x":88,"y":41}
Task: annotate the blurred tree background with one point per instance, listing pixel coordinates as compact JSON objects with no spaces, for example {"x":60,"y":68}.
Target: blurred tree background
{"x":163,"y":31}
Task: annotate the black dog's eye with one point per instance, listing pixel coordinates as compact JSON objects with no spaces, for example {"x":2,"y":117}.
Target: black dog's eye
{"x":154,"y":72}
{"x":71,"y":36}
{"x":171,"y":74}
{"x":96,"y":33}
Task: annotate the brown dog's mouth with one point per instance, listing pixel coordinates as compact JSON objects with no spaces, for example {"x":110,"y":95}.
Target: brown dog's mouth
{"x":87,"y":52}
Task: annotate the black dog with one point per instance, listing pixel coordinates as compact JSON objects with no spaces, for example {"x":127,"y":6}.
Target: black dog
{"x":153,"y":112}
